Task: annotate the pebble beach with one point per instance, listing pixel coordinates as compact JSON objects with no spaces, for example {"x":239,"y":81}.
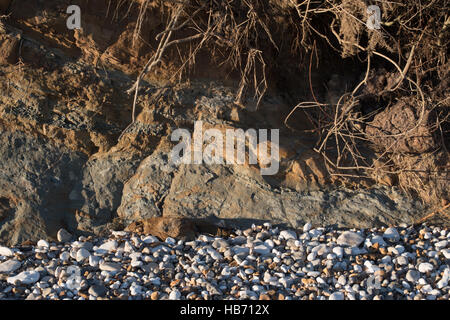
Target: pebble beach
{"x":259,"y":263}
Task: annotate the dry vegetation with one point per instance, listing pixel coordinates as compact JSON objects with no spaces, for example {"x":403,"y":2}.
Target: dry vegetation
{"x":404,"y":63}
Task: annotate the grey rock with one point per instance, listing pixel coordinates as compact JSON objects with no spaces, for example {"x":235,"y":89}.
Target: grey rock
{"x":391,"y":234}
{"x":97,"y":290}
{"x":41,"y":174}
{"x":220,"y":243}
{"x":401,"y":260}
{"x":153,"y":172}
{"x":261,"y":249}
{"x":336,"y":296}
{"x":350,"y":238}
{"x":412,"y":275}
{"x":82,"y":254}
{"x":342,"y":280}
{"x":288,"y":234}
{"x":227,"y":186}
{"x":307,"y":227}
{"x":213,"y":290}
{"x":10,"y":266}
{"x":53,"y":182}
{"x":63,"y":235}
{"x":25,"y":277}
{"x":110,"y":266}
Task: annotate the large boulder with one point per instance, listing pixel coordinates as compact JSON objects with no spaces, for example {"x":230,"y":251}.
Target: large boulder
{"x":36,"y":177}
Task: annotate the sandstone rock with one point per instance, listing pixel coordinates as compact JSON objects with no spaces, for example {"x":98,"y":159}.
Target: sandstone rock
{"x":143,"y":192}
{"x":163,"y":227}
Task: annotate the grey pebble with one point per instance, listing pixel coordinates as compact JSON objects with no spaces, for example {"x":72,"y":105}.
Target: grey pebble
{"x":97,"y":290}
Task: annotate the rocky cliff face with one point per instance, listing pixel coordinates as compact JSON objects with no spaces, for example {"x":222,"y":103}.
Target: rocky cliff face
{"x":64,"y":162}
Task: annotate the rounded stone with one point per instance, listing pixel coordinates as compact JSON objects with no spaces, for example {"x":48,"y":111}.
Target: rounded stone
{"x":63,"y":235}
{"x":401,"y":260}
{"x":350,"y":238}
{"x":6,"y":252}
{"x":288,"y":234}
{"x":25,"y":277}
{"x":412,"y":275}
{"x":82,"y":254}
{"x":307,"y":227}
{"x":10,"y":266}
{"x":110,"y":266}
{"x":336,"y":296}
{"x":391,"y":234}
{"x":97,"y":290}
{"x":174,"y":295}
{"x":43,"y":244}
{"x":425,"y":267}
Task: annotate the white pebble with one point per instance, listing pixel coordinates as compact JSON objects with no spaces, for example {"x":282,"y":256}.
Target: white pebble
{"x":338,"y":251}
{"x":127,"y":247}
{"x":288,"y":234}
{"x":110,"y":245}
{"x":425,"y":267}
{"x":262,"y":249}
{"x":307,"y":227}
{"x":391,"y":234}
{"x":64,"y":256}
{"x":444,"y":280}
{"x":6,"y":252}
{"x":214,"y":254}
{"x":82,"y":254}
{"x":349,"y":238}
{"x":446,"y":253}
{"x":119,"y":233}
{"x":63,"y":235}
{"x":25,"y":277}
{"x":269,"y":243}
{"x":170,"y":241}
{"x":441,"y":244}
{"x":371,"y":268}
{"x":336,"y":296}
{"x":175,"y":295}
{"x":10,"y":266}
{"x":110,"y":266}
{"x":43,"y":244}
{"x":94,"y":260}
